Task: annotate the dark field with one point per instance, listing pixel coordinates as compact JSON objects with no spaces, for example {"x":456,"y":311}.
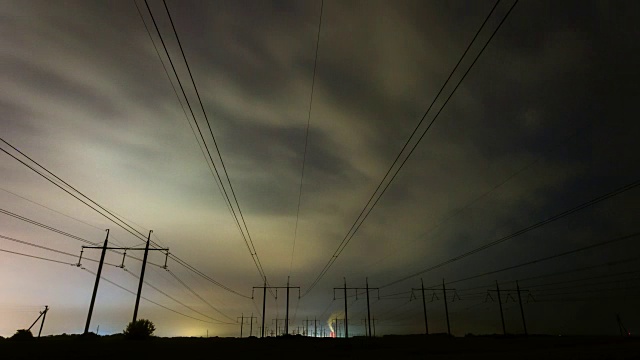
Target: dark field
{"x":388,"y":347}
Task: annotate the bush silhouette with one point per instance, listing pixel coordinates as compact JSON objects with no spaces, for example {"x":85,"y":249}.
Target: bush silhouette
{"x":22,"y":334}
{"x":140,"y":329}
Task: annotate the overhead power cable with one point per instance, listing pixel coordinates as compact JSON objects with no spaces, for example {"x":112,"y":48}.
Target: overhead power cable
{"x":37,"y":257}
{"x":367,"y":209}
{"x":522,"y":231}
{"x":174,"y":299}
{"x":119,"y":221}
{"x":198,"y":296}
{"x":146,"y":299}
{"x":306,"y":137}
{"x":246,"y":237}
{"x":564,"y":253}
{"x":138,"y":235}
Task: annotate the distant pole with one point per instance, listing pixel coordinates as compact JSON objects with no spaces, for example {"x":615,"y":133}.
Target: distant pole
{"x":286,"y":322}
{"x":424,"y":308}
{"x":446,"y":307}
{"x":251,"y":326}
{"x":504,"y":329}
{"x":346,"y":321}
{"x":95,"y":286}
{"x":524,"y":323}
{"x":241,"y":324}
{"x":368,"y":308}
{"x":315,"y":327}
{"x":374,"y":326}
{"x":144,"y":265}
{"x":264,"y":303}
{"x":44,"y":316}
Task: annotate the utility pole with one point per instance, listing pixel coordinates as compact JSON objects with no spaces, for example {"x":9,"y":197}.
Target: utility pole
{"x":365,"y":327}
{"x":345,"y":288}
{"x":43,"y":315}
{"x":251,"y":325}
{"x":315,"y":327}
{"x":504,"y":329}
{"x":424,"y":306}
{"x":264,"y":299}
{"x":241,"y":324}
{"x":306,"y":328}
{"x":524,"y":323}
{"x":95,"y":286}
{"x":373,"y":320}
{"x":519,"y":291}
{"x":446,"y":305}
{"x":104,"y":250}
{"x":276,"y":321}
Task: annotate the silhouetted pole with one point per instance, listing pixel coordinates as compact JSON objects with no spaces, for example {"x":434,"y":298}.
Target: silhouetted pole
{"x":424,"y":308}
{"x":524,"y":323}
{"x":44,"y":316}
{"x":241,"y":324}
{"x":251,"y":325}
{"x":446,"y":307}
{"x":286,"y":322}
{"x":95,"y":286}
{"x":374,"y":326}
{"x":346,"y":321}
{"x":504,"y":329}
{"x":264,"y":304}
{"x":365,"y":327}
{"x":144,"y":265}
{"x":368,"y":308}
{"x":315,"y":327}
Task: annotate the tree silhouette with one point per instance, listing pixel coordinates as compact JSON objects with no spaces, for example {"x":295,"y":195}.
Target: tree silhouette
{"x":140,"y":329}
{"x":22,"y":334}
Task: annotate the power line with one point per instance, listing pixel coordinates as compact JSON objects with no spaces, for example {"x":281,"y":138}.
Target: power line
{"x":172,"y":298}
{"x":30,"y":221}
{"x":98,"y":211}
{"x":522,"y":231}
{"x":362,"y":216}
{"x":215,"y":143}
{"x":306,"y":137}
{"x":142,"y":297}
{"x":198,"y":296}
{"x":69,"y":192}
{"x":175,"y":91}
{"x":226,"y":195}
{"x":50,"y":249}
{"x":37,"y":257}
{"x":564,"y":253}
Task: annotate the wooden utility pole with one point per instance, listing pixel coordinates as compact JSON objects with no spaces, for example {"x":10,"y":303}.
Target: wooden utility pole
{"x":345,"y":288}
{"x":446,"y":305}
{"x":241,"y":323}
{"x":306,"y":327}
{"x":276,"y":321}
{"x":144,"y":263}
{"x":264,"y":299}
{"x":251,"y":324}
{"x":43,"y":315}
{"x":519,"y":291}
{"x":424,"y":306}
{"x":504,"y":329}
{"x":95,"y":286}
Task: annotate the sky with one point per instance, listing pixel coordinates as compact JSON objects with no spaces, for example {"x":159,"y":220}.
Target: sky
{"x":543,"y":122}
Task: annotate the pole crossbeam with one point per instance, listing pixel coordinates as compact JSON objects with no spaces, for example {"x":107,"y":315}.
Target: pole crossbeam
{"x":446,"y":304}
{"x":518,"y":291}
{"x":264,"y":302}
{"x":345,"y":288}
{"x":104,"y":249}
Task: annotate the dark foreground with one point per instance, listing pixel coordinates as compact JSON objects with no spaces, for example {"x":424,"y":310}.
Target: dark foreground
{"x":388,"y":347}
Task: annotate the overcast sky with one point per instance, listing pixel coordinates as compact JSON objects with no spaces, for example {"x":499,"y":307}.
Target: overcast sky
{"x":545,"y":120}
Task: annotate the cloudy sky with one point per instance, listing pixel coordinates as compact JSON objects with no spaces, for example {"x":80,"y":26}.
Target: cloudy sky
{"x":544,"y":121}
